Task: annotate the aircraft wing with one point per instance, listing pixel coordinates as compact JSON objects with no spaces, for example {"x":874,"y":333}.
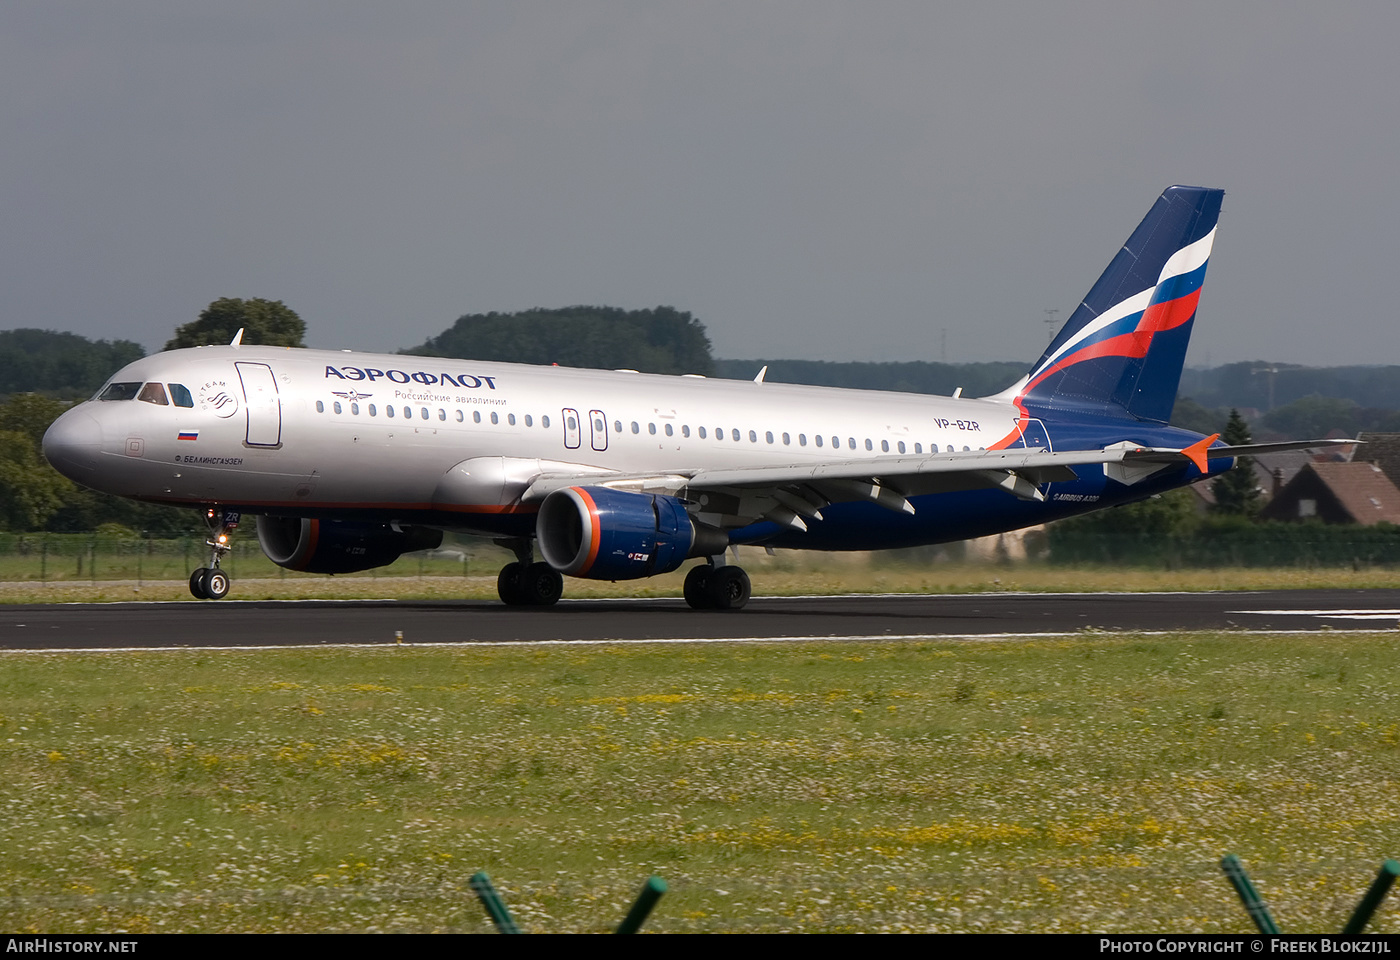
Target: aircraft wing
{"x":786,"y":493}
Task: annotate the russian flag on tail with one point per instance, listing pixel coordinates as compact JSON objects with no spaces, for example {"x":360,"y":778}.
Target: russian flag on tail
{"x":1122,"y":350}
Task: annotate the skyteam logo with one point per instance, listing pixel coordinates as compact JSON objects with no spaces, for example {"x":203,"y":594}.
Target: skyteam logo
{"x":218,"y":398}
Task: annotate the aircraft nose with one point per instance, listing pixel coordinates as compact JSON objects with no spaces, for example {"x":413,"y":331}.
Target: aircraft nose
{"x":72,"y":443}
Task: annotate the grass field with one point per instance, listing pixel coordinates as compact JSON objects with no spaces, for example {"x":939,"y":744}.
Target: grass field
{"x":1089,"y":784}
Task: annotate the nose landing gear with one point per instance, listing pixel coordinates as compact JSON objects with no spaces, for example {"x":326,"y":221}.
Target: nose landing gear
{"x":211,"y":583}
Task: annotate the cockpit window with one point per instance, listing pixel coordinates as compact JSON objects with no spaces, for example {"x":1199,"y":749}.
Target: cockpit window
{"x":181,"y":395}
{"x":120,"y":391}
{"x":154,"y":393}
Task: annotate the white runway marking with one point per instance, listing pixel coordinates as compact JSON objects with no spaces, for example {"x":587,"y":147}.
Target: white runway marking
{"x":1362,"y":614}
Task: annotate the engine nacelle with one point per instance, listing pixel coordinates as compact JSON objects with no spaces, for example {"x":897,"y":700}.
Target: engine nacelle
{"x":335,"y":546}
{"x":605,"y":534}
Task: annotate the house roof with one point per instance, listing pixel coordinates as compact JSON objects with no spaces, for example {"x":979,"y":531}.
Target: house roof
{"x":1382,"y":449}
{"x":1362,"y":489}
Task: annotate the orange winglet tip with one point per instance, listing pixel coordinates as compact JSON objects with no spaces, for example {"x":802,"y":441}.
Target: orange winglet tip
{"x":1196,"y":453}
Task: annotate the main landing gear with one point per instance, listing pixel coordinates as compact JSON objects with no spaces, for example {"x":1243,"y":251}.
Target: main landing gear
{"x":714,"y":587}
{"x":211,"y":583}
{"x":527,"y":583}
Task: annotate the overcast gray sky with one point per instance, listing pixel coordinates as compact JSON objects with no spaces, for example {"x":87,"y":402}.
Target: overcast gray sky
{"x":834,"y":181}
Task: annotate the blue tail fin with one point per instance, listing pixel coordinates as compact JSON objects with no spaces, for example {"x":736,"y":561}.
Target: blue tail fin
{"x":1121,"y":352}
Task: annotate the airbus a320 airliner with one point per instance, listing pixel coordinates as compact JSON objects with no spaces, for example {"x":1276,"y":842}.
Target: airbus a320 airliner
{"x":350,"y":460}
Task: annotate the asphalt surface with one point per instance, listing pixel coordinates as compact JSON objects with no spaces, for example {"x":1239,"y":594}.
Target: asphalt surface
{"x":231,"y":623}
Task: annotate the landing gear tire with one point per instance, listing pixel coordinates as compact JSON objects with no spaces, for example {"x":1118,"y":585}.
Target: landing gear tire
{"x":216,"y":584}
{"x":541,"y":585}
{"x":211,"y":583}
{"x":728,"y":588}
{"x":697,"y":592}
{"x":508,"y":585}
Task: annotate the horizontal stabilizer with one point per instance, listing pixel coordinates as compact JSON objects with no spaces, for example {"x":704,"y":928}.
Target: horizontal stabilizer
{"x":1167,"y":455}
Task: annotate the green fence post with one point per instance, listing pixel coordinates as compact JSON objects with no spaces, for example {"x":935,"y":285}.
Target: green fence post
{"x":651,"y":892}
{"x":1253,"y":903}
{"x":1379,"y":887}
{"x":491,"y":900}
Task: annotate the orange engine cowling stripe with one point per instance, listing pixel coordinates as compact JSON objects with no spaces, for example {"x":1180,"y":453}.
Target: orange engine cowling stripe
{"x":595,"y":534}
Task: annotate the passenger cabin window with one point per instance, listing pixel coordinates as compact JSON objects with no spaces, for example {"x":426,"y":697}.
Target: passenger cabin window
{"x":735,"y":434}
{"x":180,"y":394}
{"x":819,"y":440}
{"x":373,"y":412}
{"x":320,"y":407}
{"x":120,"y":391}
{"x":544,"y":422}
{"x":685,"y":430}
{"x":336,"y":406}
{"x":388,"y":409}
{"x":495,"y":418}
{"x":670,"y":431}
{"x":702,"y":433}
{"x":510,"y":419}
{"x":355,"y":409}
{"x":476,"y":416}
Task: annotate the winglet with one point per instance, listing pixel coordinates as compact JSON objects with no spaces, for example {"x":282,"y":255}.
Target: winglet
{"x":237,"y":340}
{"x":1196,"y":453}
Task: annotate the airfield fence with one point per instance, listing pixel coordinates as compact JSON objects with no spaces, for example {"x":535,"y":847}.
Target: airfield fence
{"x":78,"y":558}
{"x":1288,"y":545}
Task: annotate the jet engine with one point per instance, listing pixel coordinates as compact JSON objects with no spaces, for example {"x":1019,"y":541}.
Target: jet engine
{"x":605,"y":534}
{"x":334,"y":546}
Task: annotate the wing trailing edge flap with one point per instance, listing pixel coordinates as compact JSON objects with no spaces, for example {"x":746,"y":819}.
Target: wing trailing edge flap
{"x":943,"y":470}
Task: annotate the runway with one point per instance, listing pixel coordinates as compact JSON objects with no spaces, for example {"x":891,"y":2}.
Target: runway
{"x":854,"y":618}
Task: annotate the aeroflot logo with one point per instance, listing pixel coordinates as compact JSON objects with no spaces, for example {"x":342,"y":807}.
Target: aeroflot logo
{"x":399,"y":376}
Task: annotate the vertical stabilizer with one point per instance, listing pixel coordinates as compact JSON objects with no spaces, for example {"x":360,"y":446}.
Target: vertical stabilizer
{"x":1121,"y":352}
